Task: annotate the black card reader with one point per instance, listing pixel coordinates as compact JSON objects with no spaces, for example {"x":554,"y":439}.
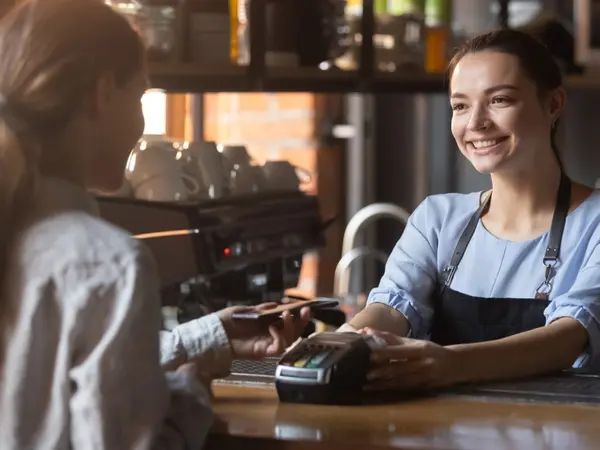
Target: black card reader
{"x":326,"y":368}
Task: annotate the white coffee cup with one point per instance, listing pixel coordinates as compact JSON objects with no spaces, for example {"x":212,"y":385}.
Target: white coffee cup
{"x":151,"y":158}
{"x":237,"y":155}
{"x":246,"y":179}
{"x":283,"y":176}
{"x":167,"y":187}
{"x":212,"y":166}
{"x":156,"y":171}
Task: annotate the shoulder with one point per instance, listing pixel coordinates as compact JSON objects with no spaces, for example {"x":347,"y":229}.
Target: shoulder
{"x":588,"y":209}
{"x":442,"y":210}
{"x":77,"y":242}
{"x":583,"y":223}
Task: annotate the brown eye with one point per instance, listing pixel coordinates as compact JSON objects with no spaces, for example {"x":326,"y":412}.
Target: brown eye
{"x":499,"y":100}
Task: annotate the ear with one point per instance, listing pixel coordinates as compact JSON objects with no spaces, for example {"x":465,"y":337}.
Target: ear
{"x":100,"y":96}
{"x":556,"y":103}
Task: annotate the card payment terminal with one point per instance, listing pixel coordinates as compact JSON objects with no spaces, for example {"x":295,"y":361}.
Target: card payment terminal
{"x":326,"y":368}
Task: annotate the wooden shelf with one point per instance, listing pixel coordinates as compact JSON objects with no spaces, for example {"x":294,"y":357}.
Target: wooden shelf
{"x":407,"y":83}
{"x":189,"y":78}
{"x":195,"y":78}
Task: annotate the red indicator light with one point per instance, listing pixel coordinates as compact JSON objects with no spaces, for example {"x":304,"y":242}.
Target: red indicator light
{"x":227,"y":251}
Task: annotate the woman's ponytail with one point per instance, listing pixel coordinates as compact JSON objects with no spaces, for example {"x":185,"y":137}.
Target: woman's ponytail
{"x":18,"y":179}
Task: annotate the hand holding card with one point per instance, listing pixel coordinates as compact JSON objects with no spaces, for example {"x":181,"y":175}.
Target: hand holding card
{"x":256,"y":339}
{"x":274,"y":311}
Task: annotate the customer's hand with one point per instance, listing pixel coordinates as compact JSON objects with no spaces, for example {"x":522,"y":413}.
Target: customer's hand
{"x":252,"y":339}
{"x":407,"y":363}
{"x":194,"y":370}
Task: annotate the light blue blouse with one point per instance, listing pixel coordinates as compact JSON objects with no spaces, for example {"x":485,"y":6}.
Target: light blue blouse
{"x":493,"y":267}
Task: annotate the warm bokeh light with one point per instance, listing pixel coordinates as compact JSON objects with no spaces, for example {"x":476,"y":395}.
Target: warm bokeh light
{"x":154,"y":104}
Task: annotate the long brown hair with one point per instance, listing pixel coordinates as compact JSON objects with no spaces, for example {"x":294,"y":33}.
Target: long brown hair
{"x":52,"y":53}
{"x":534,"y":58}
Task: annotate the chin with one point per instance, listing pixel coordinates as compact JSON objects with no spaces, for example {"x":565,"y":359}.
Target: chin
{"x":485,"y":169}
{"x":488,"y":163}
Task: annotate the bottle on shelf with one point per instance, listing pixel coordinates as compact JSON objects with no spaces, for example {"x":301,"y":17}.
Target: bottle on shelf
{"x":438,"y":34}
{"x":209,"y":33}
{"x":234,"y":25}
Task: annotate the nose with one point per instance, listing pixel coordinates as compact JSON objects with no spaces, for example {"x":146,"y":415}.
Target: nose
{"x":478,"y":119}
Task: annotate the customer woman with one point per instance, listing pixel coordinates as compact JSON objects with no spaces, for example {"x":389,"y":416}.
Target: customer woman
{"x":79,"y":309}
{"x":504,"y":283}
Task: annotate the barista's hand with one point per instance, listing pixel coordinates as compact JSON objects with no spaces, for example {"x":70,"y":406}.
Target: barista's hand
{"x":407,"y":363}
{"x":251,"y":339}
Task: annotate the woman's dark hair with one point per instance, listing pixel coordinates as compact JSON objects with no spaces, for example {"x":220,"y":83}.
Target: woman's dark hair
{"x":534,"y":58}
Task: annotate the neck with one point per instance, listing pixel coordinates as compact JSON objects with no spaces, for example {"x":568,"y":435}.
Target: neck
{"x":61,"y":158}
{"x":521,"y":198}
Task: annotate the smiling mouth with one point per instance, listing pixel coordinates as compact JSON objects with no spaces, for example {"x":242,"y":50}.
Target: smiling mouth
{"x":487,"y":143}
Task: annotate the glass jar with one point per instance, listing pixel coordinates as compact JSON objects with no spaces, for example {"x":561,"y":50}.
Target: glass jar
{"x":155,"y":23}
{"x":129,"y":9}
{"x":157,"y":26}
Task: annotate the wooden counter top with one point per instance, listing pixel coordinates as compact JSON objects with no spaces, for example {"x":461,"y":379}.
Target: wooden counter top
{"x":251,"y":418}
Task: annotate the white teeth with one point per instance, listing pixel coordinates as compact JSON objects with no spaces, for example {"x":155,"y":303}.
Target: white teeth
{"x":481,"y":144}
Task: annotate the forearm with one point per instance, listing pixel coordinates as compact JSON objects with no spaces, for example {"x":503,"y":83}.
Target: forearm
{"x":550,"y":348}
{"x":382,"y":318}
{"x":202,"y":340}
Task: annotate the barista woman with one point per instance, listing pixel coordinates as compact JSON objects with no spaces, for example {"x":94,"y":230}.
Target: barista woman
{"x":504,"y":283}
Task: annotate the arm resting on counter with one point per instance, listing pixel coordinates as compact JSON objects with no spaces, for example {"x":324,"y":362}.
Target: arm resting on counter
{"x":546,"y":349}
{"x":401,"y":303}
{"x":382,"y":317}
{"x":571,"y":337}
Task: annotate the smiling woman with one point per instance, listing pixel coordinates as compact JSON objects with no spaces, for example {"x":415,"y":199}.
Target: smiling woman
{"x":523,"y":92}
{"x":497,"y":284}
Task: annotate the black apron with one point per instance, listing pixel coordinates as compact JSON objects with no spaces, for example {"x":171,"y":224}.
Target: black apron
{"x":461,"y":319}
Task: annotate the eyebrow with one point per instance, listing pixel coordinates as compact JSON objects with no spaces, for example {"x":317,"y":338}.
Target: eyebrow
{"x":489,"y":90}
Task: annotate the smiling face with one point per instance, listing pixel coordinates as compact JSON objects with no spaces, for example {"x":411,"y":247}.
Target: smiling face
{"x":499,"y":120}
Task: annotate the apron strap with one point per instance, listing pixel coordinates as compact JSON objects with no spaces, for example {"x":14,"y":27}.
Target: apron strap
{"x":551,"y":257}
{"x":463,"y":242}
{"x":563,"y":203}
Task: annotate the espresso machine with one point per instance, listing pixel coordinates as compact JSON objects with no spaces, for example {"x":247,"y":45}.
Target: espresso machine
{"x":237,"y":250}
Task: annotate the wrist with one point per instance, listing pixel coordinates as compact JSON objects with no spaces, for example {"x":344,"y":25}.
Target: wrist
{"x":223,"y":350}
{"x":460,"y":367}
{"x":227,"y":324}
